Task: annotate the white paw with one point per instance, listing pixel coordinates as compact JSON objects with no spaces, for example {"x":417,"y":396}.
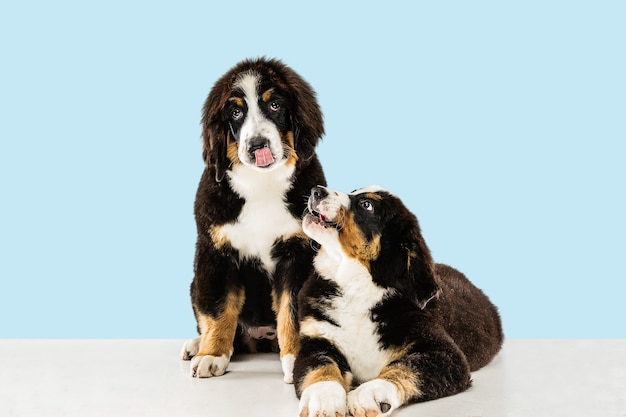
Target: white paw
{"x":374,"y":398}
{"x":208,"y":366}
{"x":190,"y":349}
{"x":323,"y":399}
{"x":287,"y":362}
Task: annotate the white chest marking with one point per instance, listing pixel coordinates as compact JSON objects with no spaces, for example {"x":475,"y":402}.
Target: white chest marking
{"x":356,"y":335}
{"x":264,"y":216}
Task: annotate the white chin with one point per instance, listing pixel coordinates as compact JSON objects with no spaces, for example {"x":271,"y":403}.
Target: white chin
{"x":311,"y":228}
{"x":316,"y":231}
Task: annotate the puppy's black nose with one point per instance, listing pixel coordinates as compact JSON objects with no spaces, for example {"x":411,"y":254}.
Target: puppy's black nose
{"x":318,"y":193}
{"x":257,"y":142}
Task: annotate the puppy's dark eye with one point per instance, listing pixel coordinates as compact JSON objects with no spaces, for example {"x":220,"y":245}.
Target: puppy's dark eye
{"x":366,"y":205}
{"x":274,"y":106}
{"x":236,"y":114}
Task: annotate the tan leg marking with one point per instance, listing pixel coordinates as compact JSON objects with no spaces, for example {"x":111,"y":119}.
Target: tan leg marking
{"x":404,"y":379}
{"x":326,"y":373}
{"x":217,"y":334}
{"x":286,"y":327}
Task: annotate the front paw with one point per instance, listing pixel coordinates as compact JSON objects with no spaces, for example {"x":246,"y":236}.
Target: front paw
{"x":190,"y":349}
{"x":287,"y":362}
{"x":323,"y":399}
{"x":205,"y":366}
{"x":376,"y":398}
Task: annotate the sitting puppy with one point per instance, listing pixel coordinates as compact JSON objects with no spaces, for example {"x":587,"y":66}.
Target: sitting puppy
{"x":261,"y":124}
{"x":381,"y":324}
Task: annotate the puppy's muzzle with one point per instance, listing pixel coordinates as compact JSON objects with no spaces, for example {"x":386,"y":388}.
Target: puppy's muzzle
{"x":259,"y":151}
{"x":318,"y":194}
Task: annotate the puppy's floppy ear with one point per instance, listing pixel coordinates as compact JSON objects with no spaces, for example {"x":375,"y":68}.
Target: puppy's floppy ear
{"x":404,"y":261}
{"x":421,"y":272}
{"x":307,"y":118}
{"x":215,"y":130}
{"x":214,"y":150}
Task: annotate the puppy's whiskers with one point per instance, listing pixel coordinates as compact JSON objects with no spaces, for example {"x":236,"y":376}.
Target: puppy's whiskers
{"x":234,"y":160}
{"x":341,"y":220}
{"x":288,"y":151}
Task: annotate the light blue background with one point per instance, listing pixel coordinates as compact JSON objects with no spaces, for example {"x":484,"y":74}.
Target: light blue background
{"x":500,"y":124}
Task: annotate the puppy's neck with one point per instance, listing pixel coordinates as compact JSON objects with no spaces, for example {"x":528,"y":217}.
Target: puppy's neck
{"x":343,"y":270}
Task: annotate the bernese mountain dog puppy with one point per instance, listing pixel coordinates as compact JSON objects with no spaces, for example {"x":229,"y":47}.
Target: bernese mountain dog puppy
{"x":261,"y":123}
{"x":381,"y":324}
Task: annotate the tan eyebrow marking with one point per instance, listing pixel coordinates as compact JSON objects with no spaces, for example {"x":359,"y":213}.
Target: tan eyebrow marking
{"x":373,"y":196}
{"x":237,"y":100}
{"x":267,"y":95}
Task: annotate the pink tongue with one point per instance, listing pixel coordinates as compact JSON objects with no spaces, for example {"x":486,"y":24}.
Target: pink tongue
{"x":263,"y":157}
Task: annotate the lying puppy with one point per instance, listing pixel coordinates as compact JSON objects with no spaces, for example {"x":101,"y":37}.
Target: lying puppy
{"x":381,"y":324}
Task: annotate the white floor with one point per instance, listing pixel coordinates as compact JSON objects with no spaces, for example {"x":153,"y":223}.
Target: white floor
{"x":85,"y":378}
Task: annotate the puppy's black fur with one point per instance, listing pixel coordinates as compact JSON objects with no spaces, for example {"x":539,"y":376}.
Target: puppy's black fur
{"x":261,"y":123}
{"x":378,"y":317}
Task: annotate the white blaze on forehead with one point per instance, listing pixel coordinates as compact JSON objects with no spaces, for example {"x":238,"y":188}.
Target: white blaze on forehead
{"x":247,"y":83}
{"x":371,"y":189}
{"x":256,"y":123}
